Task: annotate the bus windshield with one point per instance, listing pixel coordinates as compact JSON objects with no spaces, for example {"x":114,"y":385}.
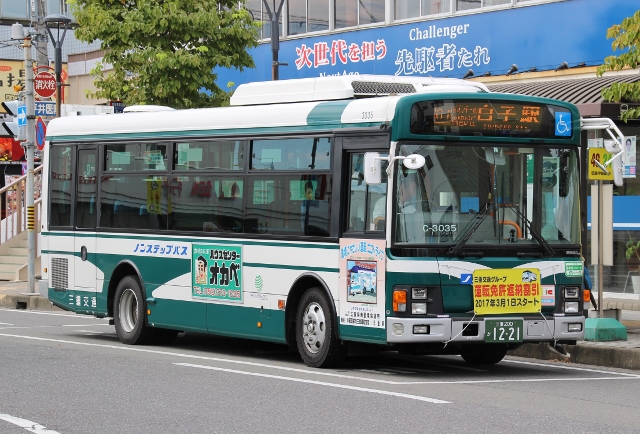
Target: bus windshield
{"x":487,"y":194}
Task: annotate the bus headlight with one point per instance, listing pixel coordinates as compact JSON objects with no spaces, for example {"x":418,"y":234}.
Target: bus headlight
{"x":571,"y":307}
{"x":419,"y":308}
{"x":571,"y":292}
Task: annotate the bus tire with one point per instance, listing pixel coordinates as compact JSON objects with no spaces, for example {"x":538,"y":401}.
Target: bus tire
{"x":316,"y":336}
{"x":129,"y":313}
{"x":486,"y":356}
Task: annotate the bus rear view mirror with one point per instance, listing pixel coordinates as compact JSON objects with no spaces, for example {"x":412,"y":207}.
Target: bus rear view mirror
{"x":414,"y":161}
{"x":373,"y":168}
{"x":616,"y":168}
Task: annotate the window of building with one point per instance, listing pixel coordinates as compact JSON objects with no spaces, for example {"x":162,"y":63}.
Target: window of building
{"x":351,"y":13}
{"x":415,"y":8}
{"x":307,"y":16}
{"x":464,"y":5}
{"x":15,"y":9}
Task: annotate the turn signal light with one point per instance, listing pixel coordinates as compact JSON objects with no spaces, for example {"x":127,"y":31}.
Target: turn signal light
{"x":586,"y":295}
{"x":399,"y":300}
{"x":280,"y":304}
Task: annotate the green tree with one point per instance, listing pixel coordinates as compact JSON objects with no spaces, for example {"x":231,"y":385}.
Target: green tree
{"x":625,"y":37}
{"x":164,"y":51}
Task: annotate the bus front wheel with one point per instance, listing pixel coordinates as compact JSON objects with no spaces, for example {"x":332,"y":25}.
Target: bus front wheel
{"x":316,"y":336}
{"x":129,"y":313}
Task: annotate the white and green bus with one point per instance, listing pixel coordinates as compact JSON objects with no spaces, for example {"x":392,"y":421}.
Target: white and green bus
{"x":248,"y":221}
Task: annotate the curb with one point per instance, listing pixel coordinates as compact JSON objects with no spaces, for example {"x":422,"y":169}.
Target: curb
{"x":29,"y":302}
{"x":585,"y":354}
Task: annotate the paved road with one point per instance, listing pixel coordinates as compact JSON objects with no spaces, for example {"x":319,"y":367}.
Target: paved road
{"x":70,"y":374}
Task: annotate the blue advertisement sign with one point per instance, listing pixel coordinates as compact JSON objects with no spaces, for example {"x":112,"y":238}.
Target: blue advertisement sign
{"x":539,"y":36}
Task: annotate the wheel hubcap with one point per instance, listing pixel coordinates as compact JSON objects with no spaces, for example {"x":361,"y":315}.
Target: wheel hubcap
{"x":128,"y":310}
{"x":313,"y":327}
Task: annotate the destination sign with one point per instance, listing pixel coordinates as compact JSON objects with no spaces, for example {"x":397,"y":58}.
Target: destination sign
{"x":491,"y":118}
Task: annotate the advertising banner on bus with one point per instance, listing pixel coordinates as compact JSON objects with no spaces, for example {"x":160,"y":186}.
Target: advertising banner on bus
{"x":362,"y":271}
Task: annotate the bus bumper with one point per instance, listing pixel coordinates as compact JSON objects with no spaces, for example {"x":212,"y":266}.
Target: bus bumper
{"x":421,"y":330}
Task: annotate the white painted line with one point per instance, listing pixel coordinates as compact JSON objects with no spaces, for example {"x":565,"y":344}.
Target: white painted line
{"x":36,"y":312}
{"x":524,"y":380}
{"x":321,"y":383}
{"x":27,"y":424}
{"x":621,"y":376}
{"x":6,"y":323}
{"x":572,"y":368}
{"x":80,"y":325}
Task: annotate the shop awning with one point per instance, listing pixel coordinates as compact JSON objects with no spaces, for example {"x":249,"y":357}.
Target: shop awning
{"x":583,"y":92}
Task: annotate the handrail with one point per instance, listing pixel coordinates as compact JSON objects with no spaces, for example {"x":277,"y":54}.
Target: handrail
{"x":14,"y":219}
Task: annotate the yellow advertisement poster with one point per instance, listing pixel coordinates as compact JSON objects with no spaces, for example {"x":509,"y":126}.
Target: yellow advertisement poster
{"x":154,"y":194}
{"x":595,"y":172}
{"x":501,"y":291}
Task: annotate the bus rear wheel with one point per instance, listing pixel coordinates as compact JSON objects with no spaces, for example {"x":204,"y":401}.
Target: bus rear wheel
{"x":129,"y":313}
{"x":485,"y":355}
{"x":316,"y":336}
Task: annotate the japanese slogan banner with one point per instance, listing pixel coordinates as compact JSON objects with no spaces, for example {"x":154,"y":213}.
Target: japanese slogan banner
{"x":217,"y":272}
{"x":500,"y":291}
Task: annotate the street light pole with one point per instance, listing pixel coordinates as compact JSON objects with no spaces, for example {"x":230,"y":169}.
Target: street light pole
{"x":29,"y":145}
{"x":57,"y":20}
{"x":274,"y":17}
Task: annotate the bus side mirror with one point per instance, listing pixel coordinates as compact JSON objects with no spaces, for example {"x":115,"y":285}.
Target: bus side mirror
{"x":616,"y":168}
{"x":372,"y":168}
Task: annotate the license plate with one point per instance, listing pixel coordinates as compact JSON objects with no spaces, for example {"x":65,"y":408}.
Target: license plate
{"x":503,"y":330}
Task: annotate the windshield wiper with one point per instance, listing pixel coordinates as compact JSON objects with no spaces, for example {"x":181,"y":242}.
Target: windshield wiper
{"x":454,"y":251}
{"x":539,"y":238}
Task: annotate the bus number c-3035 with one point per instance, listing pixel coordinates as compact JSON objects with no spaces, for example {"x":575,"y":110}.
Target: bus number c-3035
{"x":441,"y":229}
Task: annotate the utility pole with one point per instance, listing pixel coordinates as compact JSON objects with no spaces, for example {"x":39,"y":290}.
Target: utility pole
{"x":29,"y":145}
{"x":42,"y":56}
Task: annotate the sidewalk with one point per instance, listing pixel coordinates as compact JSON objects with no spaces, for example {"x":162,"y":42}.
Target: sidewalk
{"x":615,"y":354}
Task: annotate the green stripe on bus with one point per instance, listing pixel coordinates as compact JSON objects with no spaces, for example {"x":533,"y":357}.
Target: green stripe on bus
{"x":327,"y":113}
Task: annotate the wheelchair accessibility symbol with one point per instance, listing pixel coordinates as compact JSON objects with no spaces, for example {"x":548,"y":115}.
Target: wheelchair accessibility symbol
{"x":563,"y":124}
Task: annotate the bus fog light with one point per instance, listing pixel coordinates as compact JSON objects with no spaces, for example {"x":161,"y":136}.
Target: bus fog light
{"x":418,"y":308}
{"x":575,"y":327}
{"x":571,"y":307}
{"x":397,"y":329}
{"x":571,"y":292}
{"x":420,"y":329}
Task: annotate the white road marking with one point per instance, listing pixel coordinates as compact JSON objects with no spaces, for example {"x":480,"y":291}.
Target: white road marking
{"x":35,"y":312}
{"x":27,"y":424}
{"x":572,"y":368}
{"x":320,"y":383}
{"x":6,"y":323}
{"x":621,"y":376}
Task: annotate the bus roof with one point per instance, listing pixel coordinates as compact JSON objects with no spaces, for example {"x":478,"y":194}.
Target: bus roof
{"x":345,"y":87}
